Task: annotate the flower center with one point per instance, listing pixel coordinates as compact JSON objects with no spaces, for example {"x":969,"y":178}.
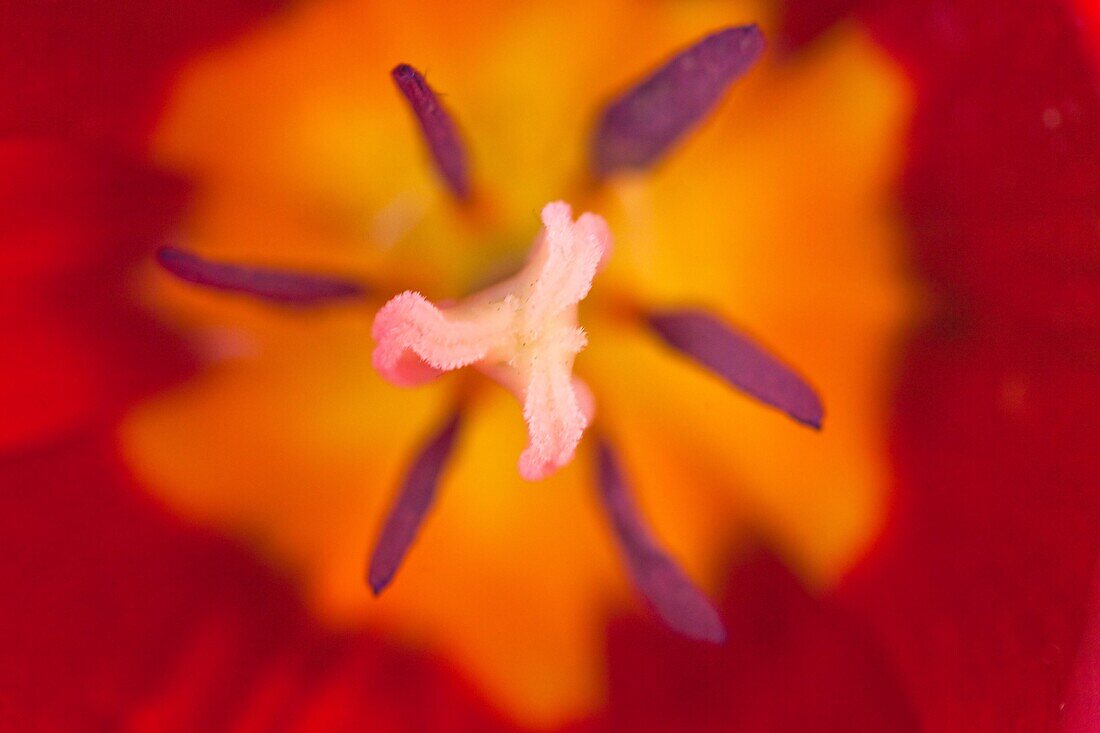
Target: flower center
{"x":522,"y":332}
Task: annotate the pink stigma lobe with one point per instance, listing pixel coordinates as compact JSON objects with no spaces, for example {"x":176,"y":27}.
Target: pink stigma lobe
{"x":522,"y":332}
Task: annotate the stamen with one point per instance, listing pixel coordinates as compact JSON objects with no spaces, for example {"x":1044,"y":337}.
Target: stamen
{"x":682,"y":606}
{"x":280,"y":286}
{"x":439,"y":129}
{"x":642,"y":124}
{"x":739,"y":361}
{"x":521,"y":332}
{"x":413,"y":503}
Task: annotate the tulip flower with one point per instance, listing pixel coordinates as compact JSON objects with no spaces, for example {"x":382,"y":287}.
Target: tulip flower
{"x":300,"y":293}
{"x":523,"y":333}
{"x":344,"y":179}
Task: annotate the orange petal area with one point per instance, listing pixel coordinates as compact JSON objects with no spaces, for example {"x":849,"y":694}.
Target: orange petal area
{"x":805,"y":255}
{"x":774,"y":212}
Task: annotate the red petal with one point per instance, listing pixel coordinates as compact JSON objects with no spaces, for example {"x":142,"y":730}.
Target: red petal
{"x":790,"y":663}
{"x":980,"y":587}
{"x":1002,"y":189}
{"x":99,"y":70}
{"x":76,"y":346}
{"x":1082,"y":711}
{"x":125,"y":618}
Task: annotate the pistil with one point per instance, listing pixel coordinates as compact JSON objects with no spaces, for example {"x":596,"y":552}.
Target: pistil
{"x":522,"y":332}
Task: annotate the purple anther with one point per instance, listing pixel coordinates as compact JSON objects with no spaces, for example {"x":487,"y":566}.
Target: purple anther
{"x":640,"y":126}
{"x":672,"y":594}
{"x":739,"y":361}
{"x":280,"y":286}
{"x":413,"y":503}
{"x":439,"y":129}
